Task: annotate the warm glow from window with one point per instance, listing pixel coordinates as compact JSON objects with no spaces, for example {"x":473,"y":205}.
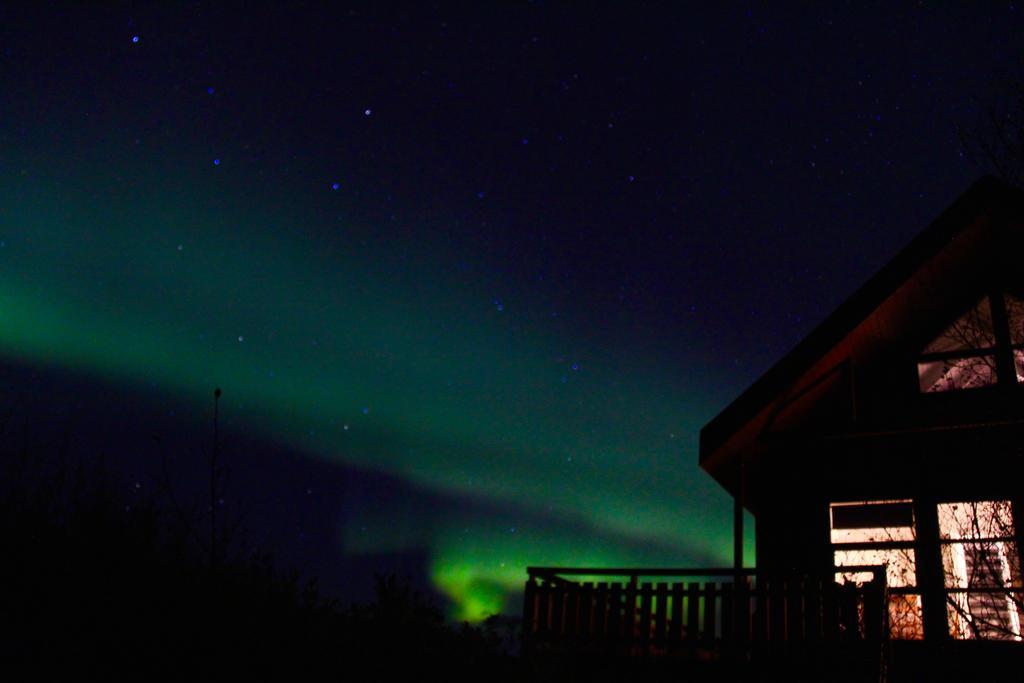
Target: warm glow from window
{"x":1015,"y":317}
{"x":957,"y":373}
{"x":888,"y":524}
{"x":965,"y":355}
{"x":899,"y":570}
{"x":982,"y":570}
{"x":962,"y":356}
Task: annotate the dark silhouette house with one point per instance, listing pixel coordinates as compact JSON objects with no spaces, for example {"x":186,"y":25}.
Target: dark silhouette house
{"x":881,"y":460}
{"x":894,"y":432}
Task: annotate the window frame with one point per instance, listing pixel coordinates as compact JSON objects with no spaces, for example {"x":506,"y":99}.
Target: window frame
{"x":1004,"y":364}
{"x":905,"y":611}
{"x":960,"y":616}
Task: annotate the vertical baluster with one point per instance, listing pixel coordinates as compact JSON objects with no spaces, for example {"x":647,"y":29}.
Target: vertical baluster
{"x":529,"y":613}
{"x":586,"y":628}
{"x":812,"y":608}
{"x":543,"y":609}
{"x":644,"y":622}
{"x":761,"y":610}
{"x":794,"y":609}
{"x":570,"y":617}
{"x":557,"y":608}
{"x":615,"y":613}
{"x":741,"y":626}
{"x":678,"y":615}
{"x":874,"y":605}
{"x":602,"y":610}
{"x":777,"y":611}
{"x":829,"y":610}
{"x":693,"y":612}
{"x":629,"y":616}
{"x":726,"y":598}
{"x":710,"y":611}
{"x":660,"y":612}
{"x":848,"y":617}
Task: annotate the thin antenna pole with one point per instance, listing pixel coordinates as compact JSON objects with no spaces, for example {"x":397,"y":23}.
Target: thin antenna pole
{"x":213,"y":476}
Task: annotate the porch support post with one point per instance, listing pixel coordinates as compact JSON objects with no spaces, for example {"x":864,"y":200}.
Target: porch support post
{"x":930,"y":576}
{"x":737,"y":522}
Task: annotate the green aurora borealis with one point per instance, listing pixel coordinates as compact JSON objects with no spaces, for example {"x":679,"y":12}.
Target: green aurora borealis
{"x":368,"y":353}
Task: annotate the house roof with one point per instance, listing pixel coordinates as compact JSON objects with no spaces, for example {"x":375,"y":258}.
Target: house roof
{"x":908,"y":280}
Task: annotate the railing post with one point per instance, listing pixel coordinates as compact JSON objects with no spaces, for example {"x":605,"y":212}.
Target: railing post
{"x":777,"y":610}
{"x":710,"y":612}
{"x":812,"y":607}
{"x":572,"y":611}
{"x":630,"y":614}
{"x":728,"y":613}
{"x":693,"y":612}
{"x":848,"y":617}
{"x":830,"y":610}
{"x":586,"y":619}
{"x":646,"y":595}
{"x":545,"y":605}
{"x":557,"y":593}
{"x":660,"y":612}
{"x":602,"y":611}
{"x":741,"y":601}
{"x":794,"y":609}
{"x":875,"y":608}
{"x":678,"y":618}
{"x":529,"y":614}
{"x":615,"y":612}
{"x":760,"y":618}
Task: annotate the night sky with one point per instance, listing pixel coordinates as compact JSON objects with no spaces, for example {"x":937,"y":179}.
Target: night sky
{"x":471,"y":279}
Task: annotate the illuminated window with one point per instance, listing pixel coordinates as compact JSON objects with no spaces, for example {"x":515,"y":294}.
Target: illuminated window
{"x":1015,"y":317}
{"x":965,"y":355}
{"x":982,"y":570}
{"x":873,"y":533}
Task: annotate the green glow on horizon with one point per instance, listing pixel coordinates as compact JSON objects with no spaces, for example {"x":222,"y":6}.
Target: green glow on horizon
{"x":169,"y":289}
{"x":476,"y":594}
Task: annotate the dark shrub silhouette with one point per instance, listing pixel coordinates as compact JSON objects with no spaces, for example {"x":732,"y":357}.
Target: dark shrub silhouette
{"x":98,"y":587}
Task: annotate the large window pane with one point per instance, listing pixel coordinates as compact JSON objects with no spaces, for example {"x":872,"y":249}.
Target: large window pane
{"x":963,"y":355}
{"x":973,"y":330}
{"x":890,"y":526}
{"x":981,"y":564}
{"x":1015,"y":316}
{"x":976,"y":519}
{"x":957,"y":373}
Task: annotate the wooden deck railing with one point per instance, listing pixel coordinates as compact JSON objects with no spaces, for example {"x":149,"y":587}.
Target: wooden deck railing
{"x":704,"y":613}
